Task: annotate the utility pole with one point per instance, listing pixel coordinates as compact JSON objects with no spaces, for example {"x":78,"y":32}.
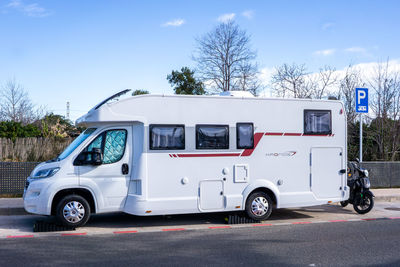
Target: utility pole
{"x":67,"y":114}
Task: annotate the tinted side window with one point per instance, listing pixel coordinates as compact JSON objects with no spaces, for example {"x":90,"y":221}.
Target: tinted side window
{"x":112,"y":144}
{"x":167,"y":137}
{"x":244,"y":135}
{"x":212,"y":136}
{"x":317,"y":122}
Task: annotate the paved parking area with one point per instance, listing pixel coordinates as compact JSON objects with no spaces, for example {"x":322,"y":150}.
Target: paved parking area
{"x":19,"y":226}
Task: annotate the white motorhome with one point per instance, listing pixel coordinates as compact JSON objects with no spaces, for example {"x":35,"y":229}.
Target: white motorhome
{"x":159,"y":154}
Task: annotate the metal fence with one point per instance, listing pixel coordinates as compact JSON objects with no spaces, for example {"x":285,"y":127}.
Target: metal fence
{"x":13,"y":176}
{"x":383,"y":174}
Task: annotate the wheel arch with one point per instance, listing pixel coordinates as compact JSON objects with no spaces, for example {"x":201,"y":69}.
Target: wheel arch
{"x":262,"y":186}
{"x":83,"y":192}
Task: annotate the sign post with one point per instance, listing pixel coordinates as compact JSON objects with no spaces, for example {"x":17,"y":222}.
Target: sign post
{"x":361,"y":107}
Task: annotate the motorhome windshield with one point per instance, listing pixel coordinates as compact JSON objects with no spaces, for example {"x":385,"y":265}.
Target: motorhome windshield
{"x":82,"y":137}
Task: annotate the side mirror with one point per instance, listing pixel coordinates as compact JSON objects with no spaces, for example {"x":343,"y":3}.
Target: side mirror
{"x":357,"y":160}
{"x":97,"y":157}
{"x":94,"y":157}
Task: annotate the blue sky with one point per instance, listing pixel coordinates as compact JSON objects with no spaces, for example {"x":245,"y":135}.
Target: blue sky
{"x":84,"y":51}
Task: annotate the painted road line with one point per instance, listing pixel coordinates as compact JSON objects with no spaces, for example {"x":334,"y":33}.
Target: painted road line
{"x":71,"y":234}
{"x":173,"y":229}
{"x":125,"y":232}
{"x":301,"y":222}
{"x":338,"y":220}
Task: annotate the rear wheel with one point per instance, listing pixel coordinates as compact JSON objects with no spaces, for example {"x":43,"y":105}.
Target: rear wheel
{"x":73,"y":211}
{"x":259,"y":206}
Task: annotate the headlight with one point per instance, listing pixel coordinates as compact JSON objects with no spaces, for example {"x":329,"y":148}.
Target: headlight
{"x":366,"y":173}
{"x":46,"y":173}
{"x":366,"y":183}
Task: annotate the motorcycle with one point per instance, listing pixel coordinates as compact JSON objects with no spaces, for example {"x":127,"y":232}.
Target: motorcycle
{"x":360,"y":195}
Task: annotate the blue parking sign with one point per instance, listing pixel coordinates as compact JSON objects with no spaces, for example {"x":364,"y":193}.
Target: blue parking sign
{"x":362,"y":100}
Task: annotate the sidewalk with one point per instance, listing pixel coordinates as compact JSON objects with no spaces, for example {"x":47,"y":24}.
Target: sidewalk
{"x":15,"y":206}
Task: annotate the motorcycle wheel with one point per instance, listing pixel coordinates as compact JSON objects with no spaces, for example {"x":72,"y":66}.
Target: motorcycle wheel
{"x":365,"y":204}
{"x":344,"y":203}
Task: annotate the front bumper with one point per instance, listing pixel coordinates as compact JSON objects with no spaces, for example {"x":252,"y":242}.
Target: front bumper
{"x":35,"y":199}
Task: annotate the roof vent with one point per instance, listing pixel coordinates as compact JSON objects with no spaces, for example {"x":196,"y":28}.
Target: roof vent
{"x":237,"y":93}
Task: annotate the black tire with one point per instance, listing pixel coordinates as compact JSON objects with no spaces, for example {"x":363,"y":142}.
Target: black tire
{"x":344,"y":203}
{"x":264,"y":201}
{"x":73,"y":205}
{"x":365,"y":205}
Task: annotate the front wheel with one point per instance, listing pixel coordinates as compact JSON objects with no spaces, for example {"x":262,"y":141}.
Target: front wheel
{"x":364,"y":203}
{"x":259,"y":206}
{"x":73,"y":211}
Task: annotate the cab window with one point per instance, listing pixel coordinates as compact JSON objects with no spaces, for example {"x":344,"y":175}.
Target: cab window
{"x":112,"y":144}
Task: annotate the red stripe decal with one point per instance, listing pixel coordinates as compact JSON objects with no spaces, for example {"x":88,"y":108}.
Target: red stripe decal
{"x":262,"y":224}
{"x":174,"y":229}
{"x":369,"y":219}
{"x":279,"y":134}
{"x":208,"y":155}
{"x":325,"y":135}
{"x":300,"y":222}
{"x":19,"y":236}
{"x":219,"y":227}
{"x":257,"y":138}
{"x":124,"y":232}
{"x":292,"y":134}
{"x":73,"y":234}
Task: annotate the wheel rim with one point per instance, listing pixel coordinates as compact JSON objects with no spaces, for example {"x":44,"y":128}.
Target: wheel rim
{"x":259,"y":206}
{"x":364,"y":204}
{"x":73,"y":211}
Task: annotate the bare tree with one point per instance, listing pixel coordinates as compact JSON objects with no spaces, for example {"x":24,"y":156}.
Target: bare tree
{"x":249,"y":80}
{"x":294,"y":81}
{"x":347,"y":87}
{"x":385,"y":104}
{"x":325,"y":79}
{"x":15,"y":104}
{"x":290,"y":81}
{"x":224,"y":58}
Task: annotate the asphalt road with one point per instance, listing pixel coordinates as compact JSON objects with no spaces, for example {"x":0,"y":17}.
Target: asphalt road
{"x":324,"y":244}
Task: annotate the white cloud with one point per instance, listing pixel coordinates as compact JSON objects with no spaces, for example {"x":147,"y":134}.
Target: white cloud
{"x":226,"y":17}
{"x":356,"y":49}
{"x":31,"y":10}
{"x":326,"y":52}
{"x":174,"y":23}
{"x":327,"y":26}
{"x":249,"y":14}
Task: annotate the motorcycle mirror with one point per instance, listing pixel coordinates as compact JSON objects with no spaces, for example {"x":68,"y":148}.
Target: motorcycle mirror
{"x":357,"y":160}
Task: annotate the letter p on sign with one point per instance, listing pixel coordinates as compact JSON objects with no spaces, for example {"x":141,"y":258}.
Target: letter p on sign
{"x":362,"y":100}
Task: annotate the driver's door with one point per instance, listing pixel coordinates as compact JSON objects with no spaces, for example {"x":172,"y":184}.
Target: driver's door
{"x":110,"y":180}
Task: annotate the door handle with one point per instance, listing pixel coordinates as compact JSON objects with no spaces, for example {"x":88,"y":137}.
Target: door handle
{"x":125,"y":168}
{"x":342,"y":171}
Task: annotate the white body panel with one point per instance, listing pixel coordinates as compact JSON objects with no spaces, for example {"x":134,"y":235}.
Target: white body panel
{"x":300,"y":170}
